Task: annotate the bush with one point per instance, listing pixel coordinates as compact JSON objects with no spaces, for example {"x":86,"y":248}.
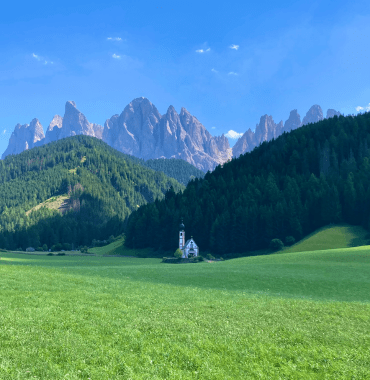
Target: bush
{"x":276,"y":244}
{"x":111,"y":239}
{"x":210,"y":257}
{"x":178,"y":253}
{"x":66,"y":246}
{"x":39,"y":249}
{"x":197,"y":259}
{"x":56,"y":247}
{"x":60,"y":254}
{"x":289,"y":240}
{"x":164,"y":259}
{"x":50,"y":254}
{"x":84,"y":249}
{"x":222,"y":259}
{"x":45,"y":247}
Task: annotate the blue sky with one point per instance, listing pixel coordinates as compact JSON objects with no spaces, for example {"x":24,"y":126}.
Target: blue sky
{"x":228,"y":63}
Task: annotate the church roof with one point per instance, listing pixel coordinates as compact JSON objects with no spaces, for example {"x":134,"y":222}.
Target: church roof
{"x":189,"y":240}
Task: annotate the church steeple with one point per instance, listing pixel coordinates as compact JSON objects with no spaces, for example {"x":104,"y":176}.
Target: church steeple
{"x":181,"y":235}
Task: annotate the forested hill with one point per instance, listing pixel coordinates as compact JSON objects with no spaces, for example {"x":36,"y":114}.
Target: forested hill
{"x":307,"y":178}
{"x":175,"y":168}
{"x":96,"y":186}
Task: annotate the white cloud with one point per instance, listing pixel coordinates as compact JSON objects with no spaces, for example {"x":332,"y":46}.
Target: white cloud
{"x":366,"y":109}
{"x":116,"y":56}
{"x":202,"y":51}
{"x":213,"y":127}
{"x":41,"y":59}
{"x":232,"y":73}
{"x":213,"y":70}
{"x":4,"y":131}
{"x":236,"y":47}
{"x":233,"y":135}
{"x":115,"y":38}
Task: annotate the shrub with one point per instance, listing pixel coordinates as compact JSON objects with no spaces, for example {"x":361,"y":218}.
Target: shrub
{"x":60,"y":254}
{"x":45,"y":247}
{"x":164,"y":259}
{"x":58,"y":247}
{"x":276,"y":244}
{"x":210,"y":257}
{"x":222,"y":259}
{"x":197,"y":259}
{"x":178,"y":253}
{"x":84,"y":249}
{"x":111,"y":239}
{"x":66,"y":246}
{"x":289,"y":240}
{"x":39,"y":249}
{"x":50,"y":254}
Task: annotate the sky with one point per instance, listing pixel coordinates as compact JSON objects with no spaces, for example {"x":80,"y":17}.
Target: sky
{"x":228,"y":63}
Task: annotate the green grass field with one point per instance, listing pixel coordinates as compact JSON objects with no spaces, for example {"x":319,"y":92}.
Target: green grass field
{"x":329,"y":237}
{"x":290,"y":315}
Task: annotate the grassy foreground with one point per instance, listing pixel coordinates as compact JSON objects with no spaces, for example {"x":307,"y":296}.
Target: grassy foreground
{"x":288,"y":316}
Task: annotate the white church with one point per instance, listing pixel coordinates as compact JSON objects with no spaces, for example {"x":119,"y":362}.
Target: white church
{"x":188,"y":248}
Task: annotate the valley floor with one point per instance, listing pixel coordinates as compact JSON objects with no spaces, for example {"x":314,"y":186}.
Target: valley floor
{"x":288,"y":315}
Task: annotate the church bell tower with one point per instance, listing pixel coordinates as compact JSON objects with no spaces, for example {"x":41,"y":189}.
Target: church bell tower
{"x":181,"y":235}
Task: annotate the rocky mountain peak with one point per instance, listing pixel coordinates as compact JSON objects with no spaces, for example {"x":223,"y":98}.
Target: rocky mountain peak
{"x":171,"y":109}
{"x":293,"y":122}
{"x":24,"y":137}
{"x":71,"y":103}
{"x":331,"y":113}
{"x":74,"y":122}
{"x":266,"y":129}
{"x":53,"y":131}
{"x":313,"y":115}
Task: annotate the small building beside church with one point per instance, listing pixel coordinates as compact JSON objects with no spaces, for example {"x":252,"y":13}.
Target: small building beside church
{"x":189,"y":248}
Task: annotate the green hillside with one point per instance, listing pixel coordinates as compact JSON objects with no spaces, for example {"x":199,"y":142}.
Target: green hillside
{"x":290,"y":186}
{"x":179,"y":169}
{"x":72,"y":191}
{"x":331,"y":237}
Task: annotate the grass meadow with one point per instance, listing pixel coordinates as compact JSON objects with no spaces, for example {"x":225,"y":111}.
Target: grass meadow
{"x":289,"y":315}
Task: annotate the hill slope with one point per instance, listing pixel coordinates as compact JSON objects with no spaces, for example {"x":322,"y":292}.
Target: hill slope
{"x":332,"y":237}
{"x":99,"y":187}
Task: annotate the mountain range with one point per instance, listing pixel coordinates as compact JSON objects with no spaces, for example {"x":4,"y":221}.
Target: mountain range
{"x":141,"y":131}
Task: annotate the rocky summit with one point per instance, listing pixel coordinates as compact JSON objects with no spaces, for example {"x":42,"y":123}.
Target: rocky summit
{"x":141,"y":131}
{"x":313,"y":115}
{"x":24,"y":137}
{"x":267,"y":129}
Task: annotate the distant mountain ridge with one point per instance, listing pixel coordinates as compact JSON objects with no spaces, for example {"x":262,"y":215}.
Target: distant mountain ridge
{"x":267,"y":129}
{"x":141,"y":131}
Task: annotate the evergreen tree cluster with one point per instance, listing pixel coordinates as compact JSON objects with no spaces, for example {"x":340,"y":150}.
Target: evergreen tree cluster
{"x":176,"y":168}
{"x":288,"y":187}
{"x":103,"y":187}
